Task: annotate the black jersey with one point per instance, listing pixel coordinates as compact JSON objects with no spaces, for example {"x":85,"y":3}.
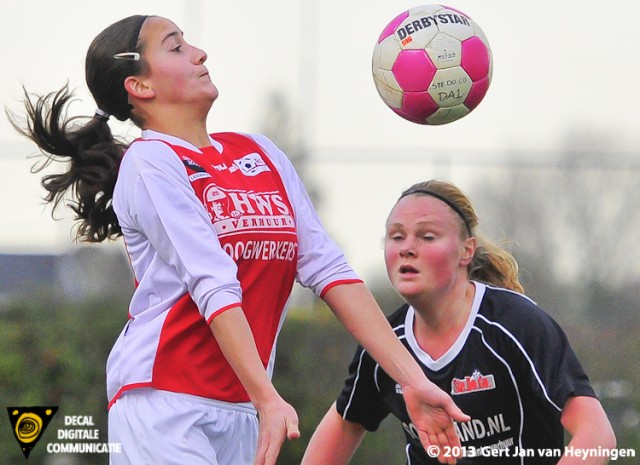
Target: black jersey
{"x":511,"y":369}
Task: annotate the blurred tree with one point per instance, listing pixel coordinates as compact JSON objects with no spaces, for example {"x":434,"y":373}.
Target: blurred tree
{"x":54,"y":341}
{"x":573,"y":227}
{"x":578,"y":214}
{"x":54,"y":353}
{"x":314,"y":352}
{"x":95,"y":271}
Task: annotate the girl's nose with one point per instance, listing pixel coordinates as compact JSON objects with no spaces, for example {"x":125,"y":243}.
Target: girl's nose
{"x":201,"y":56}
{"x":407,"y":251}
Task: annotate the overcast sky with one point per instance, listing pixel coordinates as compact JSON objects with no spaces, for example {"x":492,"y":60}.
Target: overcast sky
{"x":557,"y":66}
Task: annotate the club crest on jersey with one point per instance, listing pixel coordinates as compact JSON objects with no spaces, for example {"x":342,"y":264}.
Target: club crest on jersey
{"x":251,"y":164}
{"x":474,"y":383}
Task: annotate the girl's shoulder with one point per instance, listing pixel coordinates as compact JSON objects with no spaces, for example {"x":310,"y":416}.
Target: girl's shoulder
{"x":150,"y":153}
{"x":514,"y":313}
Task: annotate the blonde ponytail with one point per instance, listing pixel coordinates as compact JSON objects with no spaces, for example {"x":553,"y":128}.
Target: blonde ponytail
{"x":494,"y":265}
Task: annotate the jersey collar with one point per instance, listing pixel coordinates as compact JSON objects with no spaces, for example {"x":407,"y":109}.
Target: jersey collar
{"x":151,"y":134}
{"x":455,"y":349}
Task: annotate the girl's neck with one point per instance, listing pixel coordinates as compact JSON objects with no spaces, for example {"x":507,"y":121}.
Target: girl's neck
{"x":189,"y":127}
{"x":439,"y":323}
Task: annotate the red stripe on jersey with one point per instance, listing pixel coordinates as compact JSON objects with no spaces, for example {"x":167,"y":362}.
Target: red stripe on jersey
{"x":337,"y":283}
{"x":222,"y":310}
{"x":126,"y":388}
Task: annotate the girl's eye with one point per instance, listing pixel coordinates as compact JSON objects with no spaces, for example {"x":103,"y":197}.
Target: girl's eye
{"x":177,"y":49}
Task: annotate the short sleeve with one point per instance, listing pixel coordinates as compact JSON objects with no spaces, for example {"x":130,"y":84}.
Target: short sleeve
{"x":321,"y":263}
{"x":554,"y":361}
{"x":546,"y":365}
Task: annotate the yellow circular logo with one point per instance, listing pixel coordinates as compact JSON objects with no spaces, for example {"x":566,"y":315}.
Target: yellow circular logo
{"x":28,"y":427}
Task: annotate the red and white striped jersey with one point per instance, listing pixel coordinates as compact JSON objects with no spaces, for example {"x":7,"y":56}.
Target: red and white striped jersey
{"x":207,"y":230}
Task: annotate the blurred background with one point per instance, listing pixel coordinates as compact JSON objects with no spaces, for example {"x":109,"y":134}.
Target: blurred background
{"x":550,"y":159}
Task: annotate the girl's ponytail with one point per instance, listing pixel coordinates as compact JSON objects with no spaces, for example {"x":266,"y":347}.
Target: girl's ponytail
{"x":92,"y":156}
{"x":87,"y":145}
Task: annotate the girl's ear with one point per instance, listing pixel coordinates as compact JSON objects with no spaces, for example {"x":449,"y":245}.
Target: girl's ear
{"x":137,"y":88}
{"x":468,"y":251}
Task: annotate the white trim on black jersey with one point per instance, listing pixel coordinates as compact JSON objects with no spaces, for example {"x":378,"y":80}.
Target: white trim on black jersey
{"x":526,"y":355}
{"x":506,"y":340}
{"x":355,"y":383}
{"x":513,"y":380}
{"x":457,"y":346}
{"x":406,"y":452}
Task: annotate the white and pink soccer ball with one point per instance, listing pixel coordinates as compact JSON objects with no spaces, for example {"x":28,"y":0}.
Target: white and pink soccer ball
{"x":432,"y":65}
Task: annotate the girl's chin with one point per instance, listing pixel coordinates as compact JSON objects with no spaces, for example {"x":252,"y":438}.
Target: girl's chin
{"x":407,"y":291}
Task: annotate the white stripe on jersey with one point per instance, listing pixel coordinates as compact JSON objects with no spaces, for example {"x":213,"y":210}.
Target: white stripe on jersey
{"x":353,"y":391}
{"x":526,"y":355}
{"x":406,"y":451}
{"x":515,"y":383}
{"x":375,"y":376}
{"x":488,"y":286}
{"x":377,"y":367}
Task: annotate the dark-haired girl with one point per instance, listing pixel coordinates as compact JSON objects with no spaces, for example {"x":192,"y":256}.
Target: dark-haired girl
{"x":217,"y":227}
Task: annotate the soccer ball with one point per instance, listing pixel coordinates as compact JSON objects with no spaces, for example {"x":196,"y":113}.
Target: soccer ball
{"x":432,"y":65}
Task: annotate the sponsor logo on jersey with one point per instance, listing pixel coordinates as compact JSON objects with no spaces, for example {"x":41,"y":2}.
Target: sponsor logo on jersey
{"x":262,"y":250}
{"x":398,"y":389}
{"x":196,"y":176}
{"x":474,"y":383}
{"x":236,"y":210}
{"x":478,"y":428}
{"x":220,"y":167}
{"x":250,"y":165}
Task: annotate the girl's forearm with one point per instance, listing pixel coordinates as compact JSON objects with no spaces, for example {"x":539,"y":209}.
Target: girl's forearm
{"x":357,"y":310}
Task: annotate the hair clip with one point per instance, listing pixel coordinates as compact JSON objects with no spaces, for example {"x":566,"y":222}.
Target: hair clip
{"x":133,"y":56}
{"x":101,"y":115}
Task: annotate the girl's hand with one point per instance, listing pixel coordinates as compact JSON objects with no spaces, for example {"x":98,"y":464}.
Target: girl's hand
{"x":278,"y":420}
{"x":432,"y":412}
